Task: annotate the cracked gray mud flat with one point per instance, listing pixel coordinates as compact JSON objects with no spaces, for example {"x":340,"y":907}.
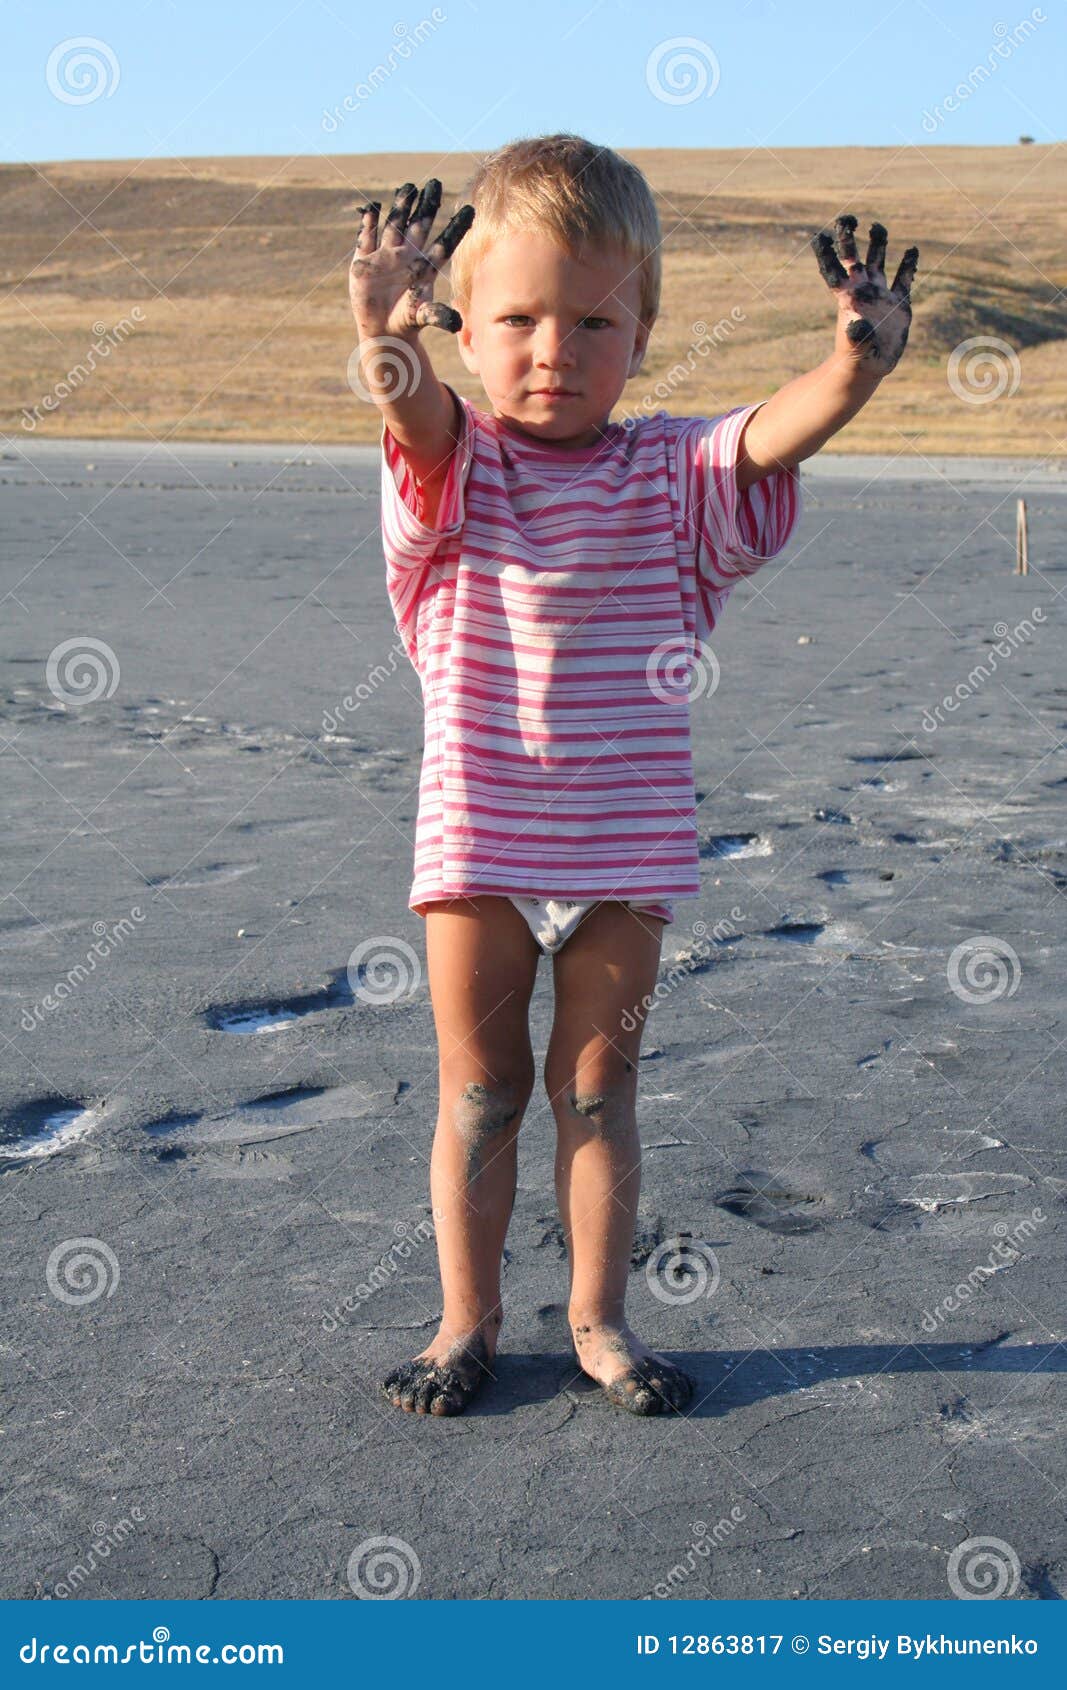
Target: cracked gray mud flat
{"x":876,"y":1161}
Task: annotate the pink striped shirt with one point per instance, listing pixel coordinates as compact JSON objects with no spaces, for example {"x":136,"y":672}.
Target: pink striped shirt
{"x":552,"y":615}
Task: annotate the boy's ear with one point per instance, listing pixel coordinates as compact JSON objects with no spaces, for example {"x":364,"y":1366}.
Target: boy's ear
{"x":466,"y":349}
{"x":640,"y":347}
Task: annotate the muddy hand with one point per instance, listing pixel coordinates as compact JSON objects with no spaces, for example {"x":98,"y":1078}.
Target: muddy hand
{"x":873,"y":319}
{"x":392,"y":274}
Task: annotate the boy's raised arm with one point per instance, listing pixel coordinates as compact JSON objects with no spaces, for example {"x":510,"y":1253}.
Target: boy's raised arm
{"x":390,"y":283}
{"x":873,"y":320}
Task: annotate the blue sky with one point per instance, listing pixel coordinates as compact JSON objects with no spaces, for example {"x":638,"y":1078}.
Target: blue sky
{"x":185,"y":77}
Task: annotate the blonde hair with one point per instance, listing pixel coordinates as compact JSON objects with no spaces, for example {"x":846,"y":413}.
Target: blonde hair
{"x":574,"y":192}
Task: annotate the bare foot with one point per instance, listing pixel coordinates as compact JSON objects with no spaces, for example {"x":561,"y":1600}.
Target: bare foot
{"x":633,"y":1376}
{"x":443,"y":1378}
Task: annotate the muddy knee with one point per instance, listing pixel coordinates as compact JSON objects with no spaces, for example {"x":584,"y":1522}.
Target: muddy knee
{"x":588,"y":1103}
{"x":483,"y":1111}
{"x":483,"y":1115}
{"x":607,"y":1109}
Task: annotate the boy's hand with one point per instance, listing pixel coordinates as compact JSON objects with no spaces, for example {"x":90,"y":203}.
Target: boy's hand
{"x":391,"y":279}
{"x":873,"y":319}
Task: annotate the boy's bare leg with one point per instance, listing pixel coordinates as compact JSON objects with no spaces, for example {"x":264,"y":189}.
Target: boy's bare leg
{"x":482,"y":962}
{"x":602,"y":974}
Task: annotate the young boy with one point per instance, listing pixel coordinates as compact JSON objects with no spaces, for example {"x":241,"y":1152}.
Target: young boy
{"x":547,"y":568}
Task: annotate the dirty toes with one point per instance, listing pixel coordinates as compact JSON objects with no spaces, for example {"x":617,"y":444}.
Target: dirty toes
{"x":631,"y":1392}
{"x":674,"y":1384}
{"x":651,"y":1388}
{"x":427,"y":1387}
{"x":410,"y":1385}
{"x":401,"y":1385}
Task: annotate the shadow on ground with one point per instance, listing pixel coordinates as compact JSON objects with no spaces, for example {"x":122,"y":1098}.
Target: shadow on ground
{"x":731,"y":1379}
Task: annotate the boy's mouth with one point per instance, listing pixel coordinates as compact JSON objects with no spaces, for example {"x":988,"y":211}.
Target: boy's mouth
{"x":554,"y":393}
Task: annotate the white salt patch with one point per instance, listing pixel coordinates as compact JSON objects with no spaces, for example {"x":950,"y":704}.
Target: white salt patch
{"x":962,"y":1188}
{"x":59,"y":1131}
{"x":736,"y":845}
{"x":255,"y":1021}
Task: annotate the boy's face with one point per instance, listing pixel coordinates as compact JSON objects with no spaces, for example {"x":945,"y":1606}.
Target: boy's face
{"x":537,"y":319}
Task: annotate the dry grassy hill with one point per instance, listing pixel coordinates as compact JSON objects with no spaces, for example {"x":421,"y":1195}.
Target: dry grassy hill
{"x":218,"y":288}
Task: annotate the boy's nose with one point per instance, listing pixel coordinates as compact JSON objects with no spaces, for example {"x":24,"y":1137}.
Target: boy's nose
{"x":553,"y":349}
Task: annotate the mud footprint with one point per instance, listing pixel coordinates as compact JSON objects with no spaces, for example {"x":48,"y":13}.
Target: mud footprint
{"x":900,"y":754}
{"x":267,"y":1015}
{"x":770,"y":1203}
{"x":46,"y":1125}
{"x":736,"y":845}
{"x":799,"y":932}
{"x":875,"y":882}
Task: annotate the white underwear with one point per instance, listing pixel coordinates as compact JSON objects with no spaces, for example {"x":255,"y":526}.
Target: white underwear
{"x":552,"y":920}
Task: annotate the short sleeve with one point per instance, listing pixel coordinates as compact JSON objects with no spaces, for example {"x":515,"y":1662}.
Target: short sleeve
{"x":409,"y":542}
{"x":736,"y":532}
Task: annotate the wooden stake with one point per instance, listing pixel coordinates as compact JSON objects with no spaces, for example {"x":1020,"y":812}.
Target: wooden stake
{"x":1022,"y":544}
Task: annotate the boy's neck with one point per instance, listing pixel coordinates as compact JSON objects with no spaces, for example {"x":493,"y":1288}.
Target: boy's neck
{"x":589,"y":437}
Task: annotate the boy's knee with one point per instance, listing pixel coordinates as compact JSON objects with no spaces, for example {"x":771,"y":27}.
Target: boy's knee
{"x":599,"y":1073}
{"x":607,"y":1107}
{"x":585,"y":1103}
{"x":486,"y":1108}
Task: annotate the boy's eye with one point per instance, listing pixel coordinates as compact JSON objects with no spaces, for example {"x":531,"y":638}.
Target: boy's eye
{"x":517,"y":317}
